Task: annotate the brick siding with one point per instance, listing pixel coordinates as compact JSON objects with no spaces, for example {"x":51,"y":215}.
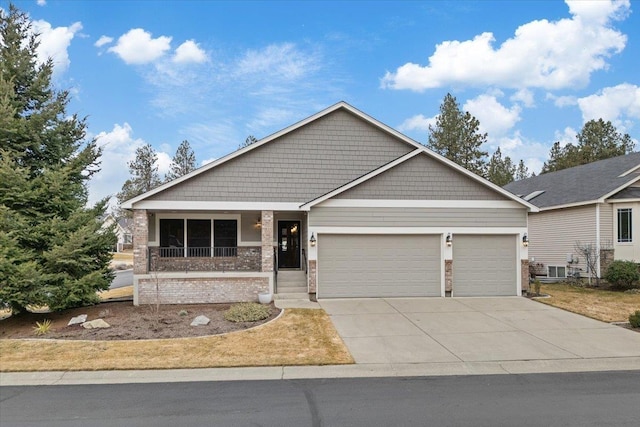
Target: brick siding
{"x":247,"y":259}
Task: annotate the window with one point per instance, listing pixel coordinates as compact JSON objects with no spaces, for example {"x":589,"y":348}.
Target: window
{"x":624,"y":226}
{"x":198,"y":237}
{"x":172,"y":237}
{"x":556,"y":271}
{"x":225,"y":237}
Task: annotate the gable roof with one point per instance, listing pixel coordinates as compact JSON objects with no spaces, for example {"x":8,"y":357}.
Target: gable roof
{"x":580,"y":185}
{"x":407,"y":148}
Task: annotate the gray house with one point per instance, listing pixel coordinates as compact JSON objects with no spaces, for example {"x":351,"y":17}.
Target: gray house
{"x":338,"y":205}
{"x":596,"y":204}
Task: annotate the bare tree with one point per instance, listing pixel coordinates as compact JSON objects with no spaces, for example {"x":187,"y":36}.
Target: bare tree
{"x":591,"y":252}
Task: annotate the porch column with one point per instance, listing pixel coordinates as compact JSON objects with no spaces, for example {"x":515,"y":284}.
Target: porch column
{"x":140,"y":241}
{"x":267,"y":241}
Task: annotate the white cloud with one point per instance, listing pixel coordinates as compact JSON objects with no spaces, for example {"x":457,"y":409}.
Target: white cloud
{"x":612,"y":103}
{"x":207,"y":161}
{"x":524,"y":96}
{"x":42,"y":2}
{"x":418,"y":122}
{"x":562,"y":101}
{"x":495,"y":119}
{"x":54,"y":43}
{"x":541,"y":54}
{"x":189,"y":51}
{"x":566,"y":136}
{"x":118,"y":148}
{"x":138,"y":47}
{"x":282,"y":60}
{"x":103,"y":40}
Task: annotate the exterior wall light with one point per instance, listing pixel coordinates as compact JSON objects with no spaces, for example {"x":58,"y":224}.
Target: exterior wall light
{"x":312,"y":240}
{"x":525,"y":240}
{"x":449,"y":239}
{"x":258,"y":223}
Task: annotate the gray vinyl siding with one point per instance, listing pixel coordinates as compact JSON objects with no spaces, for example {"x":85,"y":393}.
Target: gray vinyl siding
{"x":297,"y":167}
{"x":416,"y":217}
{"x":421,"y":178}
{"x":606,"y":225}
{"x":553,"y":234}
{"x":248,"y":230}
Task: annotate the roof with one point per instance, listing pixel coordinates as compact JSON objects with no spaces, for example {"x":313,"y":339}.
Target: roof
{"x":585,"y":184}
{"x":413,"y":149}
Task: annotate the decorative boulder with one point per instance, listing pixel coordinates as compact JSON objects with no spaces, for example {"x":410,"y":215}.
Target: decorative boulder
{"x":77,"y":320}
{"x":96,"y":324}
{"x":200,"y":321}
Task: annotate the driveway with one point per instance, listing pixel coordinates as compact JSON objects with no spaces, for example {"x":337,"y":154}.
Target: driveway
{"x":432,"y":330}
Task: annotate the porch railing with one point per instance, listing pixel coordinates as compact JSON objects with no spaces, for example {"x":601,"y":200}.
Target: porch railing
{"x":242,"y":258}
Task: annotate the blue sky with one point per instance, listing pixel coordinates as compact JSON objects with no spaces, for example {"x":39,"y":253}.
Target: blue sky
{"x":213,"y":73}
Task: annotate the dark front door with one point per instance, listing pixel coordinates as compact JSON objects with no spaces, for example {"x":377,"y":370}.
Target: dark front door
{"x":289,"y":244}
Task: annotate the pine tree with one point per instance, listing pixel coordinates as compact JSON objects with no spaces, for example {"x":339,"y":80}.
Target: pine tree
{"x":183,"y":162}
{"x":247,"y":142}
{"x":500,"y":171}
{"x":598,"y":140}
{"x":52,"y":248}
{"x":144,"y":174}
{"x":457,"y":137}
{"x":522,"y":171}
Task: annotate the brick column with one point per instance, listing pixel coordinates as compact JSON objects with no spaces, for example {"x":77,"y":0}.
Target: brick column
{"x":267,"y":241}
{"x":140,"y":241}
{"x":448,"y":275}
{"x":524,"y":265}
{"x":312,"y":276}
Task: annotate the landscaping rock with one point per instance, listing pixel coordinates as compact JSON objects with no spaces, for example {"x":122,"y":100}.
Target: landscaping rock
{"x":77,"y":320}
{"x":200,"y":321}
{"x":96,"y":324}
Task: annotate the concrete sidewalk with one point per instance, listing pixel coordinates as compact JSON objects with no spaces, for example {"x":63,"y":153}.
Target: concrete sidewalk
{"x":423,"y":337}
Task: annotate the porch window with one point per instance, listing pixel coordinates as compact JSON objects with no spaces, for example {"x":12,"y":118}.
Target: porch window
{"x":199,"y":237}
{"x":624,"y":226}
{"x":225,"y":237}
{"x":172,"y":237}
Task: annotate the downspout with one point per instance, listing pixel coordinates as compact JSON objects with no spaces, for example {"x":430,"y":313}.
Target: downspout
{"x":598,"y":239}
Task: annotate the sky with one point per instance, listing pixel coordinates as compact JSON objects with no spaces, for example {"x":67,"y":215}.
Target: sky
{"x":213,"y":73}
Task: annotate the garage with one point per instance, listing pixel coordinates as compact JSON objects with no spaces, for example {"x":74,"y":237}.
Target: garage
{"x":351,"y":265}
{"x":484,"y":265}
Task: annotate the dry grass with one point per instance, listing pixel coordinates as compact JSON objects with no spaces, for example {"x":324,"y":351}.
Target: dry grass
{"x":607,"y":306}
{"x":123,"y":257}
{"x":125,"y":291}
{"x":298,"y":337}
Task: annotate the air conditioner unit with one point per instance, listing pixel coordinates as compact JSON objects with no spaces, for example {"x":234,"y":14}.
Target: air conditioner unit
{"x":570,"y":259}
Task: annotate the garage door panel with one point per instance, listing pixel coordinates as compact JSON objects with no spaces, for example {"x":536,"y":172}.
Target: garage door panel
{"x":484,"y":265}
{"x":378,"y":265}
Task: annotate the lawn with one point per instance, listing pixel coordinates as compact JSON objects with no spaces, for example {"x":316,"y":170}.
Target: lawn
{"x":605,"y":305}
{"x":298,"y":337}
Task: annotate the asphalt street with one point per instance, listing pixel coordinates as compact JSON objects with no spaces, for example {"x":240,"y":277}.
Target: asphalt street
{"x":123,"y":278}
{"x":567,"y":399}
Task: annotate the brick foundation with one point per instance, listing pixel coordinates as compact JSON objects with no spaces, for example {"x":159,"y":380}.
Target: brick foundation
{"x":248,"y":259}
{"x":200,"y":290}
{"x":312,"y":276}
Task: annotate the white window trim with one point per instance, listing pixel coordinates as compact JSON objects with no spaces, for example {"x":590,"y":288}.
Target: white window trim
{"x":556,"y":275}
{"x":617,"y":220}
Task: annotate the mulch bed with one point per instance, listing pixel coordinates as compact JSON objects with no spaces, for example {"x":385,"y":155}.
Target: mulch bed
{"x":128,"y":322}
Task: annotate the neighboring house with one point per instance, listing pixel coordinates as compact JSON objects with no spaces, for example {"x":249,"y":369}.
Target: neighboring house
{"x":123,"y":231}
{"x":338,"y":205}
{"x":597,"y":204}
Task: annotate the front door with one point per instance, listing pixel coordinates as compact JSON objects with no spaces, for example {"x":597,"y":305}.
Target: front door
{"x":289,"y":244}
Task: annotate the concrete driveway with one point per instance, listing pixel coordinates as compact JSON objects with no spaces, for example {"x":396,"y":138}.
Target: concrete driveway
{"x":439,"y":330}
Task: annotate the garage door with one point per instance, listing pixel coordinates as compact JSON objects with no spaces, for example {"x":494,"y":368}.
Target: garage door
{"x":484,"y":265}
{"x":378,"y":265}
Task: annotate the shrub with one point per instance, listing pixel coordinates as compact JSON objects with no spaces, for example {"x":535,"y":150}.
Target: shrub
{"x":183,"y":313}
{"x":634,"y":319}
{"x":247,"y":312}
{"x":622,"y":274}
{"x":42,"y":328}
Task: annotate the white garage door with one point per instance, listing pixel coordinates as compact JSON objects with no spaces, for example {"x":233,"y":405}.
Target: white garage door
{"x":378,"y":265}
{"x":484,"y":265}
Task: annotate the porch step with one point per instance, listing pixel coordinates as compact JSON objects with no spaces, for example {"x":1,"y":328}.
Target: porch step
{"x":293,"y":277}
{"x":291,"y":289}
{"x":292,"y":296}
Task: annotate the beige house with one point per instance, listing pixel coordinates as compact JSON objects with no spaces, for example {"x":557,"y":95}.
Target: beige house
{"x":596,"y":204}
{"x":337,"y":205}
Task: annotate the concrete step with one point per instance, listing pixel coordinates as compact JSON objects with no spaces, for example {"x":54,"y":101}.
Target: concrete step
{"x":291,"y":289}
{"x":292,"y":295}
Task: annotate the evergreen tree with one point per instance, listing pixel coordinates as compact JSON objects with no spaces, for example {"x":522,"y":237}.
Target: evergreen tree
{"x":247,"y":142}
{"x":144,"y":174}
{"x":522,"y":171}
{"x":500,"y":171}
{"x":183,"y":162}
{"x":598,"y":140}
{"x":52,"y":248}
{"x":456,"y":136}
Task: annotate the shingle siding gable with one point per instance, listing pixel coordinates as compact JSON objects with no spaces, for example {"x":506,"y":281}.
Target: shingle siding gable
{"x":298,"y":166}
{"x":421,"y":178}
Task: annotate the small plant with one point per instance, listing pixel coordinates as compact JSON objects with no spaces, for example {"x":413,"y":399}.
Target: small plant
{"x":42,"y":328}
{"x":536,"y":287}
{"x":247,"y":312}
{"x":182,"y":313}
{"x":622,"y":274}
{"x":634,"y":319}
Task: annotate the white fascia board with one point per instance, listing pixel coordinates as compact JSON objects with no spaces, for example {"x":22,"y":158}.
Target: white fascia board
{"x":360,"y":180}
{"x":622,"y":187}
{"x":633,"y":169}
{"x":612,"y":201}
{"x":417,"y":230}
{"x":570,"y":205}
{"x":177,"y":205}
{"x":370,"y":203}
